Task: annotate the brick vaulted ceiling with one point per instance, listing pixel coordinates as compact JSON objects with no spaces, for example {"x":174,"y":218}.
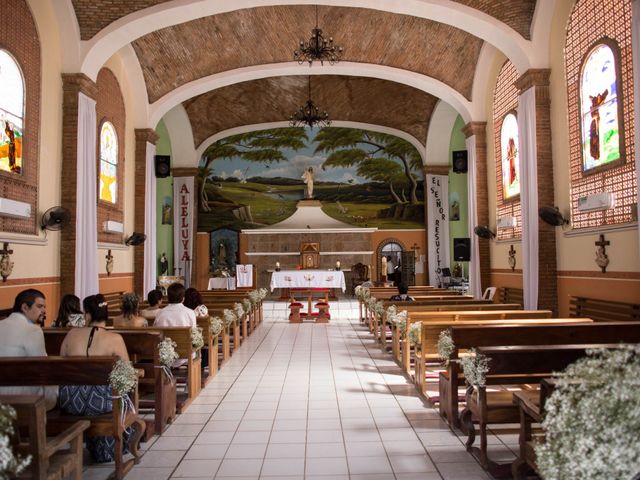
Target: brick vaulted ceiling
{"x":368,"y":100}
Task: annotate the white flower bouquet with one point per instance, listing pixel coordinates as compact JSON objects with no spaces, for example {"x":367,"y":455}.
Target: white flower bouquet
{"x":378,"y":309}
{"x":168,"y":354}
{"x":10,"y":464}
{"x":229,"y":317}
{"x":246,"y":304}
{"x":475,"y":367}
{"x":399,"y":320}
{"x":239,"y":310}
{"x":592,"y":419}
{"x":415,"y":334}
{"x":254,"y":297}
{"x":263,"y":292}
{"x":123,"y":377}
{"x":445,"y":346}
{"x":215,"y":326}
{"x":197,"y":340}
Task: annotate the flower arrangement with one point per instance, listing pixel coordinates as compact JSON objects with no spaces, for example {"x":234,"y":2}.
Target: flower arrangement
{"x":238,"y":309}
{"x":246,"y":304}
{"x":197,"y":339}
{"x":215,"y":326}
{"x":399,"y":320}
{"x":263,"y":292}
{"x":415,"y":334}
{"x":10,"y":464}
{"x":592,"y":418}
{"x":475,"y":367}
{"x":168,"y":354}
{"x":378,"y":309}
{"x":76,"y":320}
{"x":445,"y":346}
{"x":123,"y":377}
{"x":229,"y":317}
{"x":254,"y":297}
{"x":357,"y":291}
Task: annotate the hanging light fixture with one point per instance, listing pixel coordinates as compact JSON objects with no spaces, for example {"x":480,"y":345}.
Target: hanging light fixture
{"x":309,"y":114}
{"x":317,"y":48}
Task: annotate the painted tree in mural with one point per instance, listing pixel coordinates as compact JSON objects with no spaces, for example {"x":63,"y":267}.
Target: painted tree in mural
{"x":348,"y":147}
{"x":263,"y":146}
{"x":383,"y":170}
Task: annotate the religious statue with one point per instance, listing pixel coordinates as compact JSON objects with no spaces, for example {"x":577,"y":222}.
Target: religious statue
{"x":164,"y":264}
{"x":6,"y":266}
{"x":383,"y":268}
{"x":109,"y":265}
{"x":307,"y":176}
{"x":222,"y":254}
{"x":602,"y":259}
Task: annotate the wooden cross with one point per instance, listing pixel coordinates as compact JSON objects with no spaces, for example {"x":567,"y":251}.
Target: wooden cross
{"x":5,"y":250}
{"x":602,"y":253}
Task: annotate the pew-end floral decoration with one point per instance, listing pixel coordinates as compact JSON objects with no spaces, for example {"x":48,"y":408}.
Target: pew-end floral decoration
{"x":215,"y":326}
{"x":229,"y":317}
{"x":197,"y":340}
{"x":239,"y":310}
{"x":415,"y":335}
{"x":10,"y":464}
{"x":123,"y":378}
{"x":475,"y":367}
{"x":445,"y":346}
{"x":168,"y":354}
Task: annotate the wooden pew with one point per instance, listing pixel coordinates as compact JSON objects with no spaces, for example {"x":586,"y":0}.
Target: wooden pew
{"x":467,"y":337}
{"x":511,"y":365}
{"x":604,"y":310}
{"x":48,"y":459}
{"x":212,"y":345}
{"x":40,"y":371}
{"x":141,"y":345}
{"x":447,"y":318}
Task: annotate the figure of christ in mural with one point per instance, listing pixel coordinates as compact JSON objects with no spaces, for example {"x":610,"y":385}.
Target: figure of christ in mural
{"x":594,"y":129}
{"x":511,"y":155}
{"x":11,"y":154}
{"x":307,"y":176}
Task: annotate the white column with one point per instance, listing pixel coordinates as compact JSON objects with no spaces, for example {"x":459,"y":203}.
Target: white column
{"x":475,"y":287}
{"x":635,"y":51}
{"x":150,"y":261}
{"x":86,"y":273}
{"x":529,"y":195}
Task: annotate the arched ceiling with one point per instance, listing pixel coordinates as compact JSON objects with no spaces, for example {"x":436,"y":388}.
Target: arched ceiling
{"x":186,"y":52}
{"x":351,"y":99}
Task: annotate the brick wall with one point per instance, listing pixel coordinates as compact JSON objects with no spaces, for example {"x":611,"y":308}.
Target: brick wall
{"x":19,"y":37}
{"x":110,"y":107}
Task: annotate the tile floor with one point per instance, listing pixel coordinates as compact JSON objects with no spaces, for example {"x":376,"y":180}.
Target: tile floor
{"x":309,"y":402}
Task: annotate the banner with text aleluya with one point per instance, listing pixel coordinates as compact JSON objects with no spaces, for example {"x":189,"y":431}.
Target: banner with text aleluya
{"x":437,"y":198}
{"x":183,"y":200}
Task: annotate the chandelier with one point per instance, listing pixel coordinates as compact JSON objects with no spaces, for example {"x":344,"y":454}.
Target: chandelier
{"x":317,"y":48}
{"x":309,"y":114}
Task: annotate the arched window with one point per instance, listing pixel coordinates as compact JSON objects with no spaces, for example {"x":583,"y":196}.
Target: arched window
{"x":11,"y":114}
{"x":108,"y":163}
{"x":599,"y":109}
{"x":510,"y":157}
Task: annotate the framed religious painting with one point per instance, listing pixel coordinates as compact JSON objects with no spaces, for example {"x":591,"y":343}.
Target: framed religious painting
{"x":510,"y":157}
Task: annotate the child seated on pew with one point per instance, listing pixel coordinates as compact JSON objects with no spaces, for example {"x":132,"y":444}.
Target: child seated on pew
{"x":130,"y":316}
{"x":154,"y":298}
{"x":402,"y":295}
{"x":193,"y":300}
{"x":69,"y":313}
{"x":93,"y":341}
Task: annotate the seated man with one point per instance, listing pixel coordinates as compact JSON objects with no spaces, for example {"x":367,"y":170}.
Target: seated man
{"x":402,"y":295}
{"x":21,"y":336}
{"x":175,"y":314}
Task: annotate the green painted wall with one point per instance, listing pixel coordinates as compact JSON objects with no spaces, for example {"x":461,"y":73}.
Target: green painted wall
{"x":458,"y":184}
{"x":164,"y":189}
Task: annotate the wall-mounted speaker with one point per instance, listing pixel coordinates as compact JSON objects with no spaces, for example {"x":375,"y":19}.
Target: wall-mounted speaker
{"x":462,"y":249}
{"x":163,"y":166}
{"x":459,"y":161}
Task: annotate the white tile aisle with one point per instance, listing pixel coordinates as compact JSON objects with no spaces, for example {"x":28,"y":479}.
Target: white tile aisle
{"x":307,"y":401}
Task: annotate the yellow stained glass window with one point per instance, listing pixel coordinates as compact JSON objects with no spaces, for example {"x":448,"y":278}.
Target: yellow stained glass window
{"x":108,"y":163}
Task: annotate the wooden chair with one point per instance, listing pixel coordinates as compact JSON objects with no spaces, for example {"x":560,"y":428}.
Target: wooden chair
{"x":359,"y":275}
{"x":50,"y":459}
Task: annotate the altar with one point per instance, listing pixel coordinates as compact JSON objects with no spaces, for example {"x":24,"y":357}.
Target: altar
{"x":306,"y":279}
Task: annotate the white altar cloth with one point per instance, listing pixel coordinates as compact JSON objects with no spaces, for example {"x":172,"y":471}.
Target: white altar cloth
{"x":308,"y":279}
{"x":222,"y":283}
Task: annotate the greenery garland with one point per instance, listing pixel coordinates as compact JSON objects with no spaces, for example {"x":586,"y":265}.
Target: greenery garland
{"x":592,"y":419}
{"x":123,"y":377}
{"x":445,"y":346}
{"x":10,"y":464}
{"x":475,"y":367}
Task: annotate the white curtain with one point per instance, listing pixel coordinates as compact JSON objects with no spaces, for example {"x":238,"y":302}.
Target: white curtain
{"x":635,"y":50}
{"x":150,"y":262}
{"x":86,"y":274}
{"x":475,"y":287}
{"x":529,"y":195}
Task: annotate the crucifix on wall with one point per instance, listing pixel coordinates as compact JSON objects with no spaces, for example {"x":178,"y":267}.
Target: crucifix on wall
{"x":602,"y":259}
{"x":6,"y":265}
{"x":512,"y":258}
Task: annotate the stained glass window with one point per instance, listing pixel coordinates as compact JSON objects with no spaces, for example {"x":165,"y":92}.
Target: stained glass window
{"x":599,"y":109}
{"x":11,"y":114}
{"x":108,"y":163}
{"x":510,"y":157}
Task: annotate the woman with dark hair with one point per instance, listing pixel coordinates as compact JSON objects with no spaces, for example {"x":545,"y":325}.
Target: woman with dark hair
{"x":193,"y":300}
{"x":69,"y":313}
{"x":92,"y":341}
{"x":130,"y":316}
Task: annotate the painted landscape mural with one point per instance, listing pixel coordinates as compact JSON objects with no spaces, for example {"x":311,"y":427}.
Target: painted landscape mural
{"x":362,"y":178}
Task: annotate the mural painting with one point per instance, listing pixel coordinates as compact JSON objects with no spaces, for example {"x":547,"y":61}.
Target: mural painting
{"x":362,"y":178}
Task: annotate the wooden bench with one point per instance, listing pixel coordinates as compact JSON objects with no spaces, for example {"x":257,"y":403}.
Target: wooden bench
{"x":212,"y":345}
{"x":142,"y":346}
{"x":604,"y":310}
{"x":511,"y":295}
{"x":50,"y":460}
{"x":511,"y":365}
{"x":40,"y":371}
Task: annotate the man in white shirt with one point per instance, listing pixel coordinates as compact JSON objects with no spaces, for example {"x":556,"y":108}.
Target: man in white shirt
{"x":175,"y":314}
{"x":21,"y":336}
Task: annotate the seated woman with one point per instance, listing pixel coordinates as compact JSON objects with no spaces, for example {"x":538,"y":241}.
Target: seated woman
{"x":92,"y":341}
{"x":193,"y":300}
{"x":154,"y":298}
{"x":69,"y":313}
{"x":130,"y":316}
{"x":402,"y":295}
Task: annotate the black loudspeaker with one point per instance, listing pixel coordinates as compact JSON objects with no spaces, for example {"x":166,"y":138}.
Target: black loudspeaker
{"x":462,"y":249}
{"x":163,"y":166}
{"x":459,"y":161}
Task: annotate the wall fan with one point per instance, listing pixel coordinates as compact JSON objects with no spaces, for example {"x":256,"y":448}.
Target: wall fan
{"x":56,"y":218}
{"x":135,"y":239}
{"x":552,"y":216}
{"x":484,"y":232}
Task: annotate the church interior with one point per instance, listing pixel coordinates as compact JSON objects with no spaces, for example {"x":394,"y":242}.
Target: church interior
{"x":374,"y":202}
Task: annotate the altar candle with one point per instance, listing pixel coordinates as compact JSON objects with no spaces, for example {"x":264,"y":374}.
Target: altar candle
{"x":338,"y":264}
{"x":277,"y":264}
